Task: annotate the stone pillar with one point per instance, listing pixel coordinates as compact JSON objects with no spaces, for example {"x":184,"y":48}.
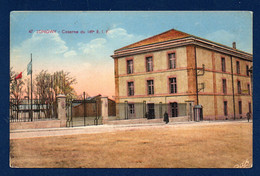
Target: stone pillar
{"x":104,"y":109}
{"x":61,"y":99}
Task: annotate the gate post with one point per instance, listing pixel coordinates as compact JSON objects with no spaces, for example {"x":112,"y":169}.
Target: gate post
{"x":104,"y":109}
{"x":61,"y":98}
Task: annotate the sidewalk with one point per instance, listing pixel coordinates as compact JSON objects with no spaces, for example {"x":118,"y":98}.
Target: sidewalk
{"x":44,"y":132}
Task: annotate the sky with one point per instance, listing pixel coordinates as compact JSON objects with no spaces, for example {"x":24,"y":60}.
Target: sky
{"x":87,"y":54}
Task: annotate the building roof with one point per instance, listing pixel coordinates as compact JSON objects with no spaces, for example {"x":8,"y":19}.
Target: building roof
{"x":174,"y":38}
{"x":165,"y":36}
{"x":92,"y":98}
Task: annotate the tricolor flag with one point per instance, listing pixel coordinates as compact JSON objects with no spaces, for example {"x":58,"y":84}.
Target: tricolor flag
{"x":29,"y":71}
{"x":29,"y":68}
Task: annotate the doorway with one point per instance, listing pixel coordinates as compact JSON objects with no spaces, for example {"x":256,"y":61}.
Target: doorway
{"x":174,"y":109}
{"x":151,"y":114}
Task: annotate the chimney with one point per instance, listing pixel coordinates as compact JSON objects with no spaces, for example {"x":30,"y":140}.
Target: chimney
{"x":234,"y":45}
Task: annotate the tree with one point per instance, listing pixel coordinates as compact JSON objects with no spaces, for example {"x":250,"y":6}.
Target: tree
{"x":16,"y":90}
{"x":43,"y":91}
{"x":62,"y":84}
{"x":81,"y":96}
{"x":48,"y":86}
{"x":12,"y":77}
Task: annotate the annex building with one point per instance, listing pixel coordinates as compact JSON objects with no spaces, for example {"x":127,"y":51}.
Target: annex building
{"x":174,"y":71}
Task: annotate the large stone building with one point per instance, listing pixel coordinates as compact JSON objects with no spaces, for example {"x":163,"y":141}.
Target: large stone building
{"x":176,"y":68}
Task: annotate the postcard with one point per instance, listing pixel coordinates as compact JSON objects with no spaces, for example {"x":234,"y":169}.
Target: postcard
{"x":128,"y":89}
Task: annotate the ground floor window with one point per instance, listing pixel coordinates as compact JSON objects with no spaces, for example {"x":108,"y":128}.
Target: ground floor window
{"x":240,"y":107}
{"x":131,"y":109}
{"x":249,"y":107}
{"x":174,"y":109}
{"x":225,"y":108}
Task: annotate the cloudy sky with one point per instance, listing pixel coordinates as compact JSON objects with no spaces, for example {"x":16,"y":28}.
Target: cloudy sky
{"x":87,"y":55}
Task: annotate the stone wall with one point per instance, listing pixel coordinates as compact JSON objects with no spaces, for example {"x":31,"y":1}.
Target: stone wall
{"x":35,"y":124}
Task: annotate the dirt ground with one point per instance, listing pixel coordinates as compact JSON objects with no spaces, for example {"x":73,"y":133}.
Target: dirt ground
{"x":222,"y":145}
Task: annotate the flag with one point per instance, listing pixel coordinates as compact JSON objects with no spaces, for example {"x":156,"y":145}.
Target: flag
{"x":19,"y":76}
{"x":29,"y":68}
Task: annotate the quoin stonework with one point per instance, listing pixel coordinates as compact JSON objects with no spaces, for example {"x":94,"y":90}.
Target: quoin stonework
{"x":175,"y":68}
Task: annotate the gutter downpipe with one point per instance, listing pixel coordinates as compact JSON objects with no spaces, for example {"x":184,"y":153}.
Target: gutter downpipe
{"x":234,"y":107}
{"x":196,"y":70}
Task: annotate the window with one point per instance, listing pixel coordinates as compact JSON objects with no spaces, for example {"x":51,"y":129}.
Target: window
{"x":173,"y":85}
{"x":172,"y":60}
{"x":224,"y":86}
{"x":238,"y":87}
{"x":240,"y":107}
{"x":248,"y":89}
{"x":130,"y":66}
{"x":249,"y":107}
{"x":149,"y":64}
{"x":174,"y":109}
{"x":150,"y":87}
{"x":238,"y":67}
{"x":247,"y":70}
{"x":223,"y":64}
{"x":131,"y":109}
{"x":130,"y":88}
{"x":225,"y":108}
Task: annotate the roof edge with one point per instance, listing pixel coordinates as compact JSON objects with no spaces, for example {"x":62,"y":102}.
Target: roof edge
{"x":184,"y":42}
{"x":126,"y":47}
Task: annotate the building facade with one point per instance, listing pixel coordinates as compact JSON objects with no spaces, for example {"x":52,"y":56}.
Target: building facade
{"x":175,"y":68}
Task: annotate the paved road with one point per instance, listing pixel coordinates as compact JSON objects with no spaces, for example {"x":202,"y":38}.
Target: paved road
{"x":29,"y":133}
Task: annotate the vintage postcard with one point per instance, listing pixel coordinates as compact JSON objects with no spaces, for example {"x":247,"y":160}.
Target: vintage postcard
{"x":167,"y":89}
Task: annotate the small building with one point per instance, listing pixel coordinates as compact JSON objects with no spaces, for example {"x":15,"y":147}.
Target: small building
{"x":174,"y":71}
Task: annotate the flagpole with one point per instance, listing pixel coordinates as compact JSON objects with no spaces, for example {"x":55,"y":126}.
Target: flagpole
{"x":31,"y":90}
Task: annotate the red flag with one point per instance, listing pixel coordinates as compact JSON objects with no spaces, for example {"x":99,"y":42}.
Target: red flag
{"x":18,"y":76}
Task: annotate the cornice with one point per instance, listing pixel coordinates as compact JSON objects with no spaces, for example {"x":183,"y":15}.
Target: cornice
{"x":183,"y":42}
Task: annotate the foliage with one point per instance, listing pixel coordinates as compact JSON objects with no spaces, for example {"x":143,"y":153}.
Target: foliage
{"x":62,"y":83}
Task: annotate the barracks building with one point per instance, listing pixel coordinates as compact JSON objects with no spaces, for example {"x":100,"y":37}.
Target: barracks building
{"x":175,"y":69}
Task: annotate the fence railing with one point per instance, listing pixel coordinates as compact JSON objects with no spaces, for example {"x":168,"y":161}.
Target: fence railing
{"x":23,"y":111}
{"x":148,"y":110}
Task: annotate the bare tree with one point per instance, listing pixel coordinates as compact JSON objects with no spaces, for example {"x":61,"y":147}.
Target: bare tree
{"x":12,"y":77}
{"x":43,"y":91}
{"x":48,"y":86}
{"x":81,"y":96}
{"x":16,"y":90}
{"x":62,"y":83}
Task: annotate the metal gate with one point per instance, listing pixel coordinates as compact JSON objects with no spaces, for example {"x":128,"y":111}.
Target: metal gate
{"x":83,"y":112}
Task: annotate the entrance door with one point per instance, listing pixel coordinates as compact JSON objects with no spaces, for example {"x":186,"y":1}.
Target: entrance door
{"x":151,"y":111}
{"x":174,"y":109}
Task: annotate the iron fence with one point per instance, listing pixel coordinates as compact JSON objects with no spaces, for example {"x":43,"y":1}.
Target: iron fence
{"x":24,"y":111}
{"x":148,"y":110}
